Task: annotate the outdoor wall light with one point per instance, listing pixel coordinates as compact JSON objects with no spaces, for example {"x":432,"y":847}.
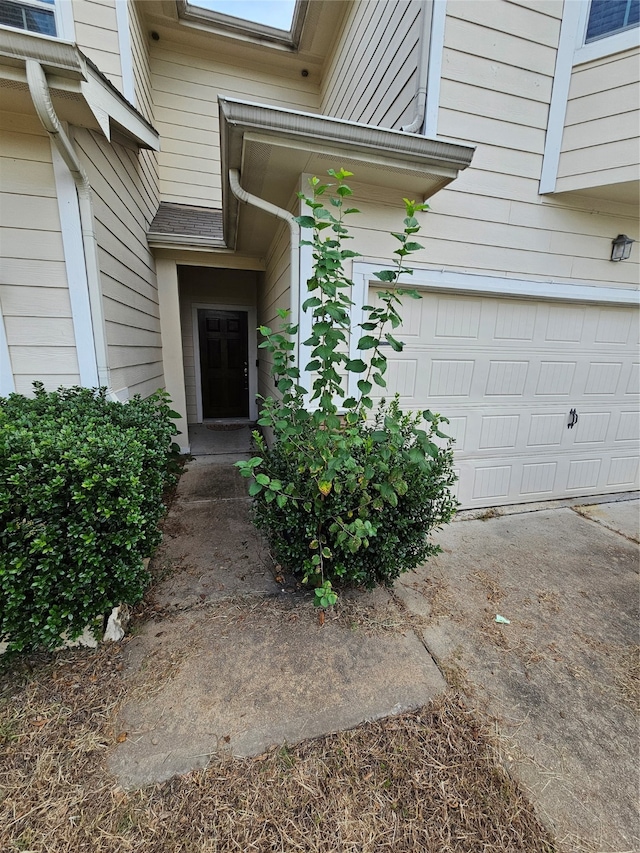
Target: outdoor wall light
{"x":621,"y":247}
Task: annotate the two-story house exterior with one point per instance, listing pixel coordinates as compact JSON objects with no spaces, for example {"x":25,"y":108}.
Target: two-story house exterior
{"x":150,"y":158}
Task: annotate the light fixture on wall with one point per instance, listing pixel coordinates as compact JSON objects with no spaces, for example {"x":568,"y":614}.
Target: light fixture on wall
{"x":621,"y":247}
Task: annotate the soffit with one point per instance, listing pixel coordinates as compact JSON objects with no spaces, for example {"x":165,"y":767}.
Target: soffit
{"x":273,"y":147}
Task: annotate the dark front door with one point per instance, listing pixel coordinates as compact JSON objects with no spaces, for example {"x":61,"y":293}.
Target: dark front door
{"x":224,"y":363}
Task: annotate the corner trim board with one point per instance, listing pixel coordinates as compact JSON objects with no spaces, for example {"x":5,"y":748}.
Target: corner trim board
{"x":74,"y":258}
{"x":126,"y":55}
{"x":7,"y":384}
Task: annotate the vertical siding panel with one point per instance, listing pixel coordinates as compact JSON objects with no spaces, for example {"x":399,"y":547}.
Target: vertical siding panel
{"x":97,"y":36}
{"x":371,"y":77}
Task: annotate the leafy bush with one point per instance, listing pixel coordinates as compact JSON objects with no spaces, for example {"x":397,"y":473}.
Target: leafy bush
{"x":81,"y":485}
{"x":347,"y":492}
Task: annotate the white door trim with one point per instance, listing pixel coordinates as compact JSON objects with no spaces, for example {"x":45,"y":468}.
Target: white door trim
{"x":252,"y":323}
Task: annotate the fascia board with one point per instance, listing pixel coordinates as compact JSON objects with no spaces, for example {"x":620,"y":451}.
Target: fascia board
{"x":55,"y":56}
{"x":320,"y":130}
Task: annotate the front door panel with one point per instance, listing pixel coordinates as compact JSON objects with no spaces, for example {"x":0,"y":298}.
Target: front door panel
{"x":224,"y":363}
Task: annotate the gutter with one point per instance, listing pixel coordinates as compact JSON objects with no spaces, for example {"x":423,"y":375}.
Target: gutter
{"x":39,"y":89}
{"x":294,"y":279}
{"x":423,"y":71}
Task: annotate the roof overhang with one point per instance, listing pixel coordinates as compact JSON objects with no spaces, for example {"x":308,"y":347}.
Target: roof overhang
{"x":80,"y":93}
{"x":272,"y":147}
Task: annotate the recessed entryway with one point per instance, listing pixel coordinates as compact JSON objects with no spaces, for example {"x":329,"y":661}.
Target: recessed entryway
{"x":219,"y":342}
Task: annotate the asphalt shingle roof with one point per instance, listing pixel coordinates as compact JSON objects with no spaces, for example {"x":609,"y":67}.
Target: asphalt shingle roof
{"x":185,"y":220}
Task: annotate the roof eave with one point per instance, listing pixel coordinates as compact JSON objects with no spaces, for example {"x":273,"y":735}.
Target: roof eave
{"x":390,"y":150}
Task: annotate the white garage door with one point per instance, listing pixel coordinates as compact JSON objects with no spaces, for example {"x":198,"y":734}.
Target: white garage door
{"x":509,"y":373}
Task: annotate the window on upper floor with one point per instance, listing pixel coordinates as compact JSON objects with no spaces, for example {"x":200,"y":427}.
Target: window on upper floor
{"x":35,"y":16}
{"x":608,"y":17}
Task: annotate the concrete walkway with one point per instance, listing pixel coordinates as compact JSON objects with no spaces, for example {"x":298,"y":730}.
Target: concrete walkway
{"x":235,"y":659}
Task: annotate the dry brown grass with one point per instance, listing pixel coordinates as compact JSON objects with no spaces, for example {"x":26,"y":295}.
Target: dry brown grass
{"x":426,"y":781}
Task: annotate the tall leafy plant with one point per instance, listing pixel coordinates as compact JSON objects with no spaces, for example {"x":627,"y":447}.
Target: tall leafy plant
{"x":347,"y":491}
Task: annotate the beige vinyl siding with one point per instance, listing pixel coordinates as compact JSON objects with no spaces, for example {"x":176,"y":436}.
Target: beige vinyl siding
{"x":371,"y":76}
{"x":497,"y":73}
{"x":600,"y":143}
{"x":97,"y":36}
{"x":186,"y":86}
{"x":214,"y":287}
{"x":33,"y":284}
{"x":123,"y":208}
{"x":273,"y":295}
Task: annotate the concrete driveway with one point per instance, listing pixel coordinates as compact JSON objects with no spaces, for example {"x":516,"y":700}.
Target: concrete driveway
{"x":233,"y":657}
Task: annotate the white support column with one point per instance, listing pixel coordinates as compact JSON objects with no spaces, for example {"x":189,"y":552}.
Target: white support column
{"x":171,"y":334}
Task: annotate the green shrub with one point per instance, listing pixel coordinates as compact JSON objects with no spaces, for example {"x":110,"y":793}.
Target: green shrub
{"x":81,"y":485}
{"x":347,"y":492}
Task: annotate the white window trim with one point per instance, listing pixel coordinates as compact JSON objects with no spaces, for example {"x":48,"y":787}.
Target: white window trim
{"x":573,"y":51}
{"x":603,"y":46}
{"x":63,"y":16}
{"x":252,"y":323}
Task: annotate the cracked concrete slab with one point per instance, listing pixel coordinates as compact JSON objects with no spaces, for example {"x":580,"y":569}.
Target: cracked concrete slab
{"x":241,"y":676}
{"x":558,"y":678}
{"x":622,"y":516}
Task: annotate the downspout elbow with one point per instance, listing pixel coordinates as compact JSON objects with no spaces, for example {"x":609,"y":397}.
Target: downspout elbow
{"x":422,"y":71}
{"x":262,"y":204}
{"x":41,"y":97}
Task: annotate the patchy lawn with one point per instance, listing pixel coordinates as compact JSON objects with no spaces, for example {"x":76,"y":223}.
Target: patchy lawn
{"x":423,"y":781}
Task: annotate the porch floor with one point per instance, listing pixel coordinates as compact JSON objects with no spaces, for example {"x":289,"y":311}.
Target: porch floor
{"x":218,"y":439}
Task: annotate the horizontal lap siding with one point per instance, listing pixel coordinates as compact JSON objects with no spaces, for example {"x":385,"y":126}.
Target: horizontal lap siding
{"x":97,"y":36}
{"x":185,"y":92}
{"x":123,"y":208}
{"x":497,"y":74}
{"x":602,"y":124}
{"x":273,"y":295}
{"x":371,"y":76}
{"x":33,"y":284}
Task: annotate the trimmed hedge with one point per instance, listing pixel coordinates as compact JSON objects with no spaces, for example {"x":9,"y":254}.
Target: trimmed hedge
{"x":81,"y":485}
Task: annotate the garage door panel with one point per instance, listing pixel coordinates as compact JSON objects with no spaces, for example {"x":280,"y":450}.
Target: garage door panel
{"x":508,"y":373}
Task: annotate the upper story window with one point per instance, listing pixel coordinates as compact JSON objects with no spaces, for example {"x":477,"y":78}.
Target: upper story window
{"x":36,"y":16}
{"x":608,"y":17}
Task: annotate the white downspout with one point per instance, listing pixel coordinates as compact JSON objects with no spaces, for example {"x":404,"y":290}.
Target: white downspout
{"x":41,"y":97}
{"x":289,"y":218}
{"x":423,"y":68}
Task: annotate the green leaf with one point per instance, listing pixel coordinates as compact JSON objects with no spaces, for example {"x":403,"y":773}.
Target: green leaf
{"x":305,"y":221}
{"x":395,"y":344}
{"x":263,"y":479}
{"x":386,"y":275}
{"x":255,"y":489}
{"x":379,"y":380}
{"x":363,"y":386}
{"x":356,"y":365}
{"x":367,"y":342}
{"x":281,"y":500}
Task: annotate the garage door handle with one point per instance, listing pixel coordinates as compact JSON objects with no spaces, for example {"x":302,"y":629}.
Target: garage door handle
{"x":573,"y":419}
